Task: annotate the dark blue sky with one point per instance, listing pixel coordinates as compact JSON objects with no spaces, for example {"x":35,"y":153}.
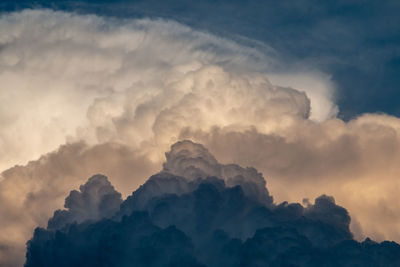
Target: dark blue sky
{"x":357,"y":42}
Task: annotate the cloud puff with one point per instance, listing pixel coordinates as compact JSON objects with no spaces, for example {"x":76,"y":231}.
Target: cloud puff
{"x":210,"y":224}
{"x":193,"y":161}
{"x":96,"y":200}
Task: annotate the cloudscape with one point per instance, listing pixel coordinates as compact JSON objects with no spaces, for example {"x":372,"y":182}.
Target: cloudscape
{"x":135,"y":132}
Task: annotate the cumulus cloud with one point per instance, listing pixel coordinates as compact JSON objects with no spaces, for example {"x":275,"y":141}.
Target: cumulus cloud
{"x":319,"y":87}
{"x":125,"y":88}
{"x":193,"y":161}
{"x":355,"y":161}
{"x":96,"y":200}
{"x":117,"y":93}
{"x":109,"y":79}
{"x":209,"y":224}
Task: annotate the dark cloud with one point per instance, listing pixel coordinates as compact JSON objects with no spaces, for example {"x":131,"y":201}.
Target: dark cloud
{"x":342,"y":159}
{"x":193,"y":161}
{"x":177,"y":221}
{"x":96,"y":200}
{"x":133,"y":240}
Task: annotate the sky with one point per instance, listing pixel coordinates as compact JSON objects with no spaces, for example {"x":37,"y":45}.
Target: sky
{"x":303,"y":91}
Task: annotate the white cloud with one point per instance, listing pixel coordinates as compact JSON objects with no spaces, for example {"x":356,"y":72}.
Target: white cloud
{"x":56,"y":67}
{"x":318,"y":87}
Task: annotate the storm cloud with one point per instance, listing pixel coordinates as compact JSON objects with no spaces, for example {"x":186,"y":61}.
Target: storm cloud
{"x":205,"y":222}
{"x":87,"y":95}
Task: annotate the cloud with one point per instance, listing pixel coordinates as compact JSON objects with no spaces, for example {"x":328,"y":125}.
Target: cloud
{"x":209,"y":224}
{"x":96,"y":200}
{"x":71,"y":76}
{"x":355,"y":161}
{"x":193,"y":161}
{"x":319,"y":87}
{"x":115,"y":94}
{"x":126,"y":88}
{"x":30,"y":193}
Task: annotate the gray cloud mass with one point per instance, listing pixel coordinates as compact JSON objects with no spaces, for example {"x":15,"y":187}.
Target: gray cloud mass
{"x":203,"y":221}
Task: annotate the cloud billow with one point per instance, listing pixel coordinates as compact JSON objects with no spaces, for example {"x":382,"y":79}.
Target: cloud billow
{"x":97,"y":200}
{"x":175,"y":220}
{"x":85,"y":94}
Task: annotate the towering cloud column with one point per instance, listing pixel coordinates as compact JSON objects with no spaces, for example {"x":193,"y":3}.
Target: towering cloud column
{"x":85,"y":94}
